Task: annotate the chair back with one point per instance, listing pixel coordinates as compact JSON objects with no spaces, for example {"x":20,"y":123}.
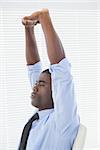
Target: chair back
{"x":80,"y":138}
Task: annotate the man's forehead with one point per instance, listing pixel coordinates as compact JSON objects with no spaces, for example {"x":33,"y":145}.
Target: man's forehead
{"x":44,"y":77}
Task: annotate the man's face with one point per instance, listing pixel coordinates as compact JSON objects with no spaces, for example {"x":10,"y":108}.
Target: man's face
{"x":42,"y":94}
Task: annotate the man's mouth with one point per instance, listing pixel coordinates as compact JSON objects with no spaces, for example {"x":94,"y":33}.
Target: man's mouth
{"x":33,"y":95}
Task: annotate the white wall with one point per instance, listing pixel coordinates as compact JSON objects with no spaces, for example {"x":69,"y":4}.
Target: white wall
{"x":77,"y":23}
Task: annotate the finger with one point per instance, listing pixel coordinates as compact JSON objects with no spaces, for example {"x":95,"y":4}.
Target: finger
{"x":29,"y":17}
{"x":23,"y":21}
{"x":27,"y":22}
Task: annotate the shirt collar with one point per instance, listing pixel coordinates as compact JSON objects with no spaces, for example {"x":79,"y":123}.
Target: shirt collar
{"x":43,"y":113}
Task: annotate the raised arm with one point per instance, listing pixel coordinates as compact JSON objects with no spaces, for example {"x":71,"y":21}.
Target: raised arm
{"x":54,"y":46}
{"x":62,"y":80}
{"x":32,"y":55}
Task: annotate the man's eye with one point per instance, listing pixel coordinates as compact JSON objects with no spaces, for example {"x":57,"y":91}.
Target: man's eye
{"x":41,"y":84}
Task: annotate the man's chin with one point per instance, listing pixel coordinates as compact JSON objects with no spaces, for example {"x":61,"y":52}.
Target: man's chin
{"x":33,"y":102}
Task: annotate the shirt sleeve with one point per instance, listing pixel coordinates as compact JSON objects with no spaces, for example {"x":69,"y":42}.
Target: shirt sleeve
{"x":63,"y":94}
{"x":34,"y":72}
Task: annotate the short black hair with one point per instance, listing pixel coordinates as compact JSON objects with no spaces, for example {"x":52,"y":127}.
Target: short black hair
{"x":46,"y":71}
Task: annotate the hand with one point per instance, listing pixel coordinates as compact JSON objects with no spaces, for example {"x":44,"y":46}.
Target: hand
{"x":33,"y":19}
{"x":29,"y":22}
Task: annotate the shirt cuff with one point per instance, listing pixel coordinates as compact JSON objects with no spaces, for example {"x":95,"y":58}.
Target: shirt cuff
{"x":34,"y":72}
{"x":61,"y":69}
{"x":36,"y":66}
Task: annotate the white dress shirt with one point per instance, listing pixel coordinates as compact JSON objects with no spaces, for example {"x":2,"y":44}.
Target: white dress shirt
{"x":56,"y":128}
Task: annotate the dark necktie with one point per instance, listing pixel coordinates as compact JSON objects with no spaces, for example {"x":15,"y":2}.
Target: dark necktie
{"x":26,"y":131}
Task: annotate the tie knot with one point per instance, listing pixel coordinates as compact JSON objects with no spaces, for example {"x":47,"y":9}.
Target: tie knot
{"x":34,"y":117}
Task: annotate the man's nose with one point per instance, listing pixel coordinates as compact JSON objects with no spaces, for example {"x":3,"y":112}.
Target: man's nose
{"x":35,"y":89}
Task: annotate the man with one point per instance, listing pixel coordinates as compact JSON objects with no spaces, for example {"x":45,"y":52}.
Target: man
{"x":53,"y":90}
